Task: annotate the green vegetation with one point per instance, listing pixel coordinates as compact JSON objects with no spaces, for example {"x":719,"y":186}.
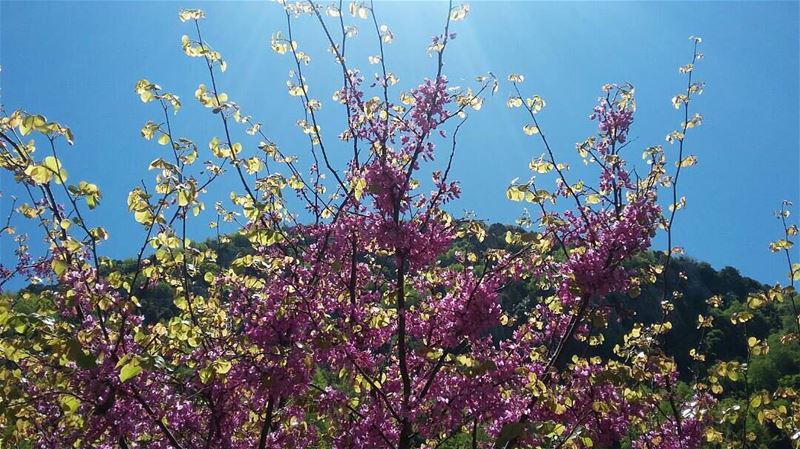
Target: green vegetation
{"x":703,"y":291}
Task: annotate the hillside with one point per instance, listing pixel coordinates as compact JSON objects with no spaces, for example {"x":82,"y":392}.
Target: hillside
{"x":702,"y":291}
{"x":697,"y":283}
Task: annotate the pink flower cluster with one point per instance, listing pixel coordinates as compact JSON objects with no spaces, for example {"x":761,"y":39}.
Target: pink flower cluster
{"x":351,"y":334}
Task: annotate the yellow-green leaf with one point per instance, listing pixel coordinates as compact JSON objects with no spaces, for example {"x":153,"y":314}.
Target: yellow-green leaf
{"x":129,"y":370}
{"x":69,"y":403}
{"x":530,"y":129}
{"x":31,"y":123}
{"x":59,"y":266}
{"x":38,"y":174}
{"x":222,"y":366}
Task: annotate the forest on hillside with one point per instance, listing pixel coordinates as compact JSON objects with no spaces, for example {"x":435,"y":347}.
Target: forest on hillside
{"x":703,"y":292}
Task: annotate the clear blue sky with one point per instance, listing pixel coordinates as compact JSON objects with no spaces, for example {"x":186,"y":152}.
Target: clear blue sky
{"x":77,"y":62}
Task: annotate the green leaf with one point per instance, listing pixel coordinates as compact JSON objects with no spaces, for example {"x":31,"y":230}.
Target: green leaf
{"x":52,"y":164}
{"x":222,"y":366}
{"x":149,"y":130}
{"x":39,"y":175}
{"x":510,"y":431}
{"x":530,"y":129}
{"x":59,"y":266}
{"x":146,"y":96}
{"x":184,"y":197}
{"x":31,"y":123}
{"x":516,"y":192}
{"x":70,"y":403}
{"x":129,"y":370}
{"x":205,"y":374}
{"x":76,"y":354}
{"x":20,"y":326}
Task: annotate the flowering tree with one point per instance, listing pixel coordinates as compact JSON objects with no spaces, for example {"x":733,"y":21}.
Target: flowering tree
{"x":342,"y":327}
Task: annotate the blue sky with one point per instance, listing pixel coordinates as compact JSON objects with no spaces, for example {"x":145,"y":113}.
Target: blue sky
{"x":77,"y":62}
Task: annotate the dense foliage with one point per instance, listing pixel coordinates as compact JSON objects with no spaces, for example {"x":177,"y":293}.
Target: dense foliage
{"x":372,"y":317}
